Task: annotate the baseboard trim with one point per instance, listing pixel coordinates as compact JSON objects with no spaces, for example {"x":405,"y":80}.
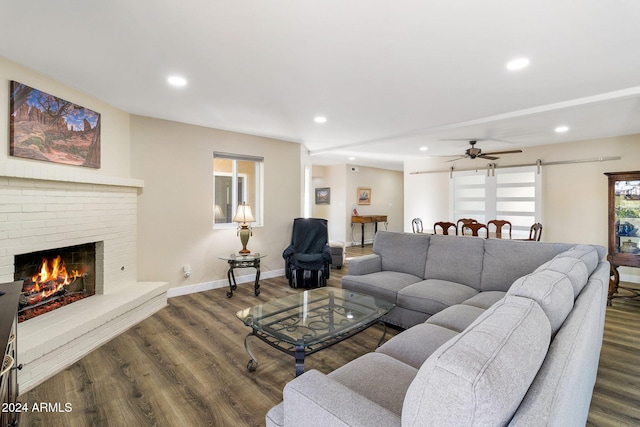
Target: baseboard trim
{"x":222,"y":283}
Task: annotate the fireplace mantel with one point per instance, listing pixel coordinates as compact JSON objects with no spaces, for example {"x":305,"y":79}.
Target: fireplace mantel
{"x":73,"y":175}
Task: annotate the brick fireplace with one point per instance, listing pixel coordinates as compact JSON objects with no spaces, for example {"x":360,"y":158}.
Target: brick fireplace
{"x":44,"y":208}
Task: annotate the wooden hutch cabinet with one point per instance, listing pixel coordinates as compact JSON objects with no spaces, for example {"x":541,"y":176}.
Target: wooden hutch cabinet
{"x":624,"y":227}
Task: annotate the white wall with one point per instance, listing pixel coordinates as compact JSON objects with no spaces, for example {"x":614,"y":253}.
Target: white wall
{"x":333,"y":177}
{"x":386,"y":198}
{"x":426,"y":195}
{"x":175,"y":207}
{"x":574,"y":196}
{"x":115,"y":160}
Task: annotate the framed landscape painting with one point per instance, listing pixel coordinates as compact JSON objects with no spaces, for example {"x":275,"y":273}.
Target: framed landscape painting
{"x":45,"y":127}
{"x":323,"y":196}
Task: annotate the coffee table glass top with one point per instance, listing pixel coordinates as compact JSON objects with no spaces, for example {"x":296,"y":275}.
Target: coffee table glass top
{"x":314,"y":316}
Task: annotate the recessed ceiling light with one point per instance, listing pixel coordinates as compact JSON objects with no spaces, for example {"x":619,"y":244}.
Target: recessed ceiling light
{"x":562,"y":129}
{"x":177,"y":81}
{"x":352,"y":158}
{"x":424,"y":148}
{"x":320,"y":119}
{"x":517,"y":64}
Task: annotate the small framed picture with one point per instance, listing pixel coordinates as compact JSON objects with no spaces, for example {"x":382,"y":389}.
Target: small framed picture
{"x":323,"y":196}
{"x":364,"y":196}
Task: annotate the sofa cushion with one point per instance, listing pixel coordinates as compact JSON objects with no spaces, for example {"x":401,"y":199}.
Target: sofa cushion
{"x":551,"y":290}
{"x":447,"y":252}
{"x":405,"y":253}
{"x":275,"y":416}
{"x":574,"y":268}
{"x":378,"y":377}
{"x":587,"y":253}
{"x":457,"y":317}
{"x":485,"y":299}
{"x":320,"y":401}
{"x":507,"y":260}
{"x":433,"y":295}
{"x":384,"y":284}
{"x":417,"y":343}
{"x":365,"y":264}
{"x":480,"y":376}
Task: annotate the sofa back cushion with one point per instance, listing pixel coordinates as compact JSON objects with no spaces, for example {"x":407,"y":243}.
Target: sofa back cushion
{"x":551,"y":290}
{"x":480,"y":376}
{"x":506,"y":260}
{"x":574,"y":268}
{"x":586,"y":253}
{"x":455,"y":259}
{"x":402,"y":252}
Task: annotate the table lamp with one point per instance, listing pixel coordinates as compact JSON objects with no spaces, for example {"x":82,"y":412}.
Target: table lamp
{"x":244,"y":215}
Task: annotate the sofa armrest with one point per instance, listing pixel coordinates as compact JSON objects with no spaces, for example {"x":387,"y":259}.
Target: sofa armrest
{"x":313,"y":399}
{"x":365,"y":264}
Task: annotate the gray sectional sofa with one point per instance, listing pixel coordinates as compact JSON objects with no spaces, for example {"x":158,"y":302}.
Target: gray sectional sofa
{"x":499,"y":332}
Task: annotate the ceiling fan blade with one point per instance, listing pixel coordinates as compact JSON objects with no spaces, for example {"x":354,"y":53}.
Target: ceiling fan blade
{"x":457,"y":158}
{"x":504,"y":152}
{"x":484,"y":156}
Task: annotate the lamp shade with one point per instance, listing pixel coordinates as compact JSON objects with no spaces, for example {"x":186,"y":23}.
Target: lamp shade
{"x":243,"y":214}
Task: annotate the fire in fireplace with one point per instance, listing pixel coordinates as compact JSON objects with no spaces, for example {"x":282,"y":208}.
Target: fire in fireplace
{"x":54,"y":278}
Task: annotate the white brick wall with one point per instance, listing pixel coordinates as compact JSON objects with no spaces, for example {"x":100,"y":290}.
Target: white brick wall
{"x":40,"y":215}
{"x":41,"y":209}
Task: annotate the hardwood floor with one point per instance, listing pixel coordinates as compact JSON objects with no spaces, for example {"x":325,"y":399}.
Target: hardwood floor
{"x":186,"y":366}
{"x":616,"y":396}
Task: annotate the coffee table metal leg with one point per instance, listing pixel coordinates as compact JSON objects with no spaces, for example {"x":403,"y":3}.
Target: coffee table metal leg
{"x":299,"y":360}
{"x":253,"y":362}
{"x":384,"y":333}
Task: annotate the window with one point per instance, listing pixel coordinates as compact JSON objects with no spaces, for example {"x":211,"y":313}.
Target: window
{"x":236,"y":179}
{"x":511,"y":194}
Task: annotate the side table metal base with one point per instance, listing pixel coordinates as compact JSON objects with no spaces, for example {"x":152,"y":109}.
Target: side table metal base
{"x":242,"y":263}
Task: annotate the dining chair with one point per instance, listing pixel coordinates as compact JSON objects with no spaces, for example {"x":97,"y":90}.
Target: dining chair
{"x":445,"y":226}
{"x":535,"y":232}
{"x":416,"y":225}
{"x":499,"y":224}
{"x":462,"y":222}
{"x":475,"y":228}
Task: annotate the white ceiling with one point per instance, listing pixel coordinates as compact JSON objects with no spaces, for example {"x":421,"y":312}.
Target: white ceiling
{"x":390,"y":76}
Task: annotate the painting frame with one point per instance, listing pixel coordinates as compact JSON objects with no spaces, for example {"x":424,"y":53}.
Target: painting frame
{"x":323,"y":196}
{"x":47,"y":128}
{"x":364,"y":195}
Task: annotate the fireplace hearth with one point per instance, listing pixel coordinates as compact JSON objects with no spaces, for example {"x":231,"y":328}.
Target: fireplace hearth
{"x":54,"y":278}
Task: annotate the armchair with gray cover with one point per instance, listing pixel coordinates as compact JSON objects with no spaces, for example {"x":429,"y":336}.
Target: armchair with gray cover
{"x":308,"y":257}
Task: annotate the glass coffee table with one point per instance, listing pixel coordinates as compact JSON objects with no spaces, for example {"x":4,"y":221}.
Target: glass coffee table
{"x":310,"y":321}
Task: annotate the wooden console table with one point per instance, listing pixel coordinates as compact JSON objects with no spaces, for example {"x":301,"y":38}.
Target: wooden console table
{"x":367,"y":219}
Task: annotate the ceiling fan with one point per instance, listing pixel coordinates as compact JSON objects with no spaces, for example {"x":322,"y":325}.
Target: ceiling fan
{"x":473,"y":153}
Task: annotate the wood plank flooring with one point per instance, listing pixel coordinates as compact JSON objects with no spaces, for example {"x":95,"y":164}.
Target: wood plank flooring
{"x":186,"y":366}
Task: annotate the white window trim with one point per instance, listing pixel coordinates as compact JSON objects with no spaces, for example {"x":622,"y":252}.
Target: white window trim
{"x":258,"y":210}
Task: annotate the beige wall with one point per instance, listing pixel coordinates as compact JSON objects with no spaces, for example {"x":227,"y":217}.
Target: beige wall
{"x":386,"y":198}
{"x":574,"y":196}
{"x":175,"y":207}
{"x":333,"y":177}
{"x":114,"y":123}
